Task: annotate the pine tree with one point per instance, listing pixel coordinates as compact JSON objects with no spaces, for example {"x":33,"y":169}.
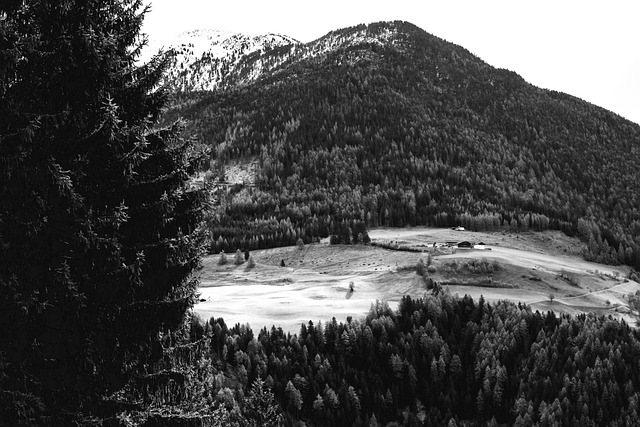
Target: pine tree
{"x":261,"y":409}
{"x":238,"y":258}
{"x":294,"y":396}
{"x":251,"y":262}
{"x":99,"y":230}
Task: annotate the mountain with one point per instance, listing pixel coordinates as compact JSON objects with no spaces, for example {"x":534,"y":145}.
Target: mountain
{"x":210,"y":59}
{"x":387,"y":125}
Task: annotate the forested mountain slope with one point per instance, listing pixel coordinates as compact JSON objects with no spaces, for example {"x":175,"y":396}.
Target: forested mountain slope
{"x":388,"y":125}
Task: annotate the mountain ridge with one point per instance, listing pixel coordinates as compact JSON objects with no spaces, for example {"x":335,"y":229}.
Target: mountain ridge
{"x":205,"y":59}
{"x":292,"y":50}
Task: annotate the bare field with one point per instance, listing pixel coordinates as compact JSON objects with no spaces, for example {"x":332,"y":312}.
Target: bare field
{"x":315,"y":282}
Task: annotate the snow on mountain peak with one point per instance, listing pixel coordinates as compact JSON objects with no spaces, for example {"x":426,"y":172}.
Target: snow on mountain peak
{"x":208,"y":59}
{"x":203,"y":60}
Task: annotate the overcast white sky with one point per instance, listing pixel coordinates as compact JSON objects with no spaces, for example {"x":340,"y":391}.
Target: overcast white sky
{"x":589,"y":49}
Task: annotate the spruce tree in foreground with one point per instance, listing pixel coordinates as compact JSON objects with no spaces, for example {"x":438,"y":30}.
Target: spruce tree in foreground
{"x":99,"y":230}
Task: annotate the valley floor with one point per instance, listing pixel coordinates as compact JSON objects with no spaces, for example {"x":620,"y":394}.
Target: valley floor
{"x":316,"y":281}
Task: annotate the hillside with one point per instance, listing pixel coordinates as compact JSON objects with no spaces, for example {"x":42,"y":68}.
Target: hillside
{"x":388,"y":125}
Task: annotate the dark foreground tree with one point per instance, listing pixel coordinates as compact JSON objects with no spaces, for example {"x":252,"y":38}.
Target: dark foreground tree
{"x":99,"y":230}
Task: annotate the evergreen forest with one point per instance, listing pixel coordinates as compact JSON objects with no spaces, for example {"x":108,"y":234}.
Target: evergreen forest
{"x":437,"y":360}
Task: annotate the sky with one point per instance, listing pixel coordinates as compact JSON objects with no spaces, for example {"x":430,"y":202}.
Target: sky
{"x":588,"y":49}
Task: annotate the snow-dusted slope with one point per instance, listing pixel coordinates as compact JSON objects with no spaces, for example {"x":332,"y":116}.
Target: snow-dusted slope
{"x":361,"y":34}
{"x":210,"y":59}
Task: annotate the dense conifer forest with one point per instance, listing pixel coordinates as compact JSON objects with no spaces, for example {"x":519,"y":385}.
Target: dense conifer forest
{"x":438,"y":360}
{"x":390,"y":126}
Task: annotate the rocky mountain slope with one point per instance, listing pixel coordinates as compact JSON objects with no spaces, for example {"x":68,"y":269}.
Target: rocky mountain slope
{"x":204,"y":60}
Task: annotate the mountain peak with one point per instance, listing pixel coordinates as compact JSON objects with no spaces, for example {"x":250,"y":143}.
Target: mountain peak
{"x":209,"y":59}
{"x":377,"y":33}
{"x":206,"y":59}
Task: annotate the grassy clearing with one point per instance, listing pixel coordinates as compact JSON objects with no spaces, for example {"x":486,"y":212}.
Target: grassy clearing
{"x":323,"y":281}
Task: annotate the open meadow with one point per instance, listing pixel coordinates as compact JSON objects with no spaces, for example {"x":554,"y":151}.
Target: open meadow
{"x":321,"y":281}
